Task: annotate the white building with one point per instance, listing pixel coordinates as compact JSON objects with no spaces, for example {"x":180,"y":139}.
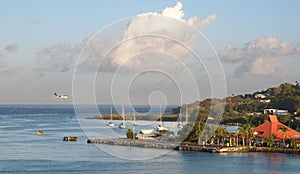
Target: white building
{"x":276,"y":112}
{"x":261,"y":96}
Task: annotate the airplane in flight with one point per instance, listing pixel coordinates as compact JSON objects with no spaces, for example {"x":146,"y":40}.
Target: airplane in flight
{"x":61,"y":96}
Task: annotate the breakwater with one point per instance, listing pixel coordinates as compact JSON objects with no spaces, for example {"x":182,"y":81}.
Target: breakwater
{"x":136,"y":143}
{"x":189,"y":147}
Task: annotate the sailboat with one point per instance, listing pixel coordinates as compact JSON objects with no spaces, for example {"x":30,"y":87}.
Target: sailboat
{"x":122,"y":125}
{"x":160,"y":127}
{"x":180,"y":125}
{"x":110,"y":124}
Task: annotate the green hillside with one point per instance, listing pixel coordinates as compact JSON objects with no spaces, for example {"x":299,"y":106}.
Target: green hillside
{"x":247,"y":108}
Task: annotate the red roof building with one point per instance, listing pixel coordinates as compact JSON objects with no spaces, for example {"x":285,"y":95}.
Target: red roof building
{"x":273,"y":126}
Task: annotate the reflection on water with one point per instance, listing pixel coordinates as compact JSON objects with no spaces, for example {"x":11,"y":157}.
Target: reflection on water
{"x":21,"y":151}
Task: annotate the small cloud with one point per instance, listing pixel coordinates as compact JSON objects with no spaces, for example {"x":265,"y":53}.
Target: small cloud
{"x":9,"y":69}
{"x":259,"y":57}
{"x":207,"y":20}
{"x":11,"y":47}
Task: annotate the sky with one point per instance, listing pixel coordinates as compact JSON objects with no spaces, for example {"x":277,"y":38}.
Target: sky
{"x":88,"y":50}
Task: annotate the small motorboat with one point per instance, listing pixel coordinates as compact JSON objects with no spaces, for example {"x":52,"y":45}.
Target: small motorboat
{"x":70,"y":139}
{"x":38,"y":132}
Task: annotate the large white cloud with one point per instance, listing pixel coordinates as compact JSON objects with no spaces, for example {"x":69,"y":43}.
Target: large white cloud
{"x":149,"y":33}
{"x":170,"y":21}
{"x":259,"y":57}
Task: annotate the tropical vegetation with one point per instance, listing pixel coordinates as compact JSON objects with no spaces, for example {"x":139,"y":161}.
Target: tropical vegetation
{"x":245,"y":110}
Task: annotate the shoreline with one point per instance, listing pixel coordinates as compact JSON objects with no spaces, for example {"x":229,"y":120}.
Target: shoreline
{"x":189,"y":147}
{"x":144,"y":117}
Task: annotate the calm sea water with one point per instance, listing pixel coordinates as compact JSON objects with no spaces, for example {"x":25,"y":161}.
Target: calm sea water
{"x":21,"y":151}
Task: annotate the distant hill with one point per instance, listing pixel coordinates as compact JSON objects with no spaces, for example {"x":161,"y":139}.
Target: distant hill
{"x":286,"y":97}
{"x":248,"y":108}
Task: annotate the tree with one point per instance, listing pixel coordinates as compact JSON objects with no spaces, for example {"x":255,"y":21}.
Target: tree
{"x":251,"y":136}
{"x":271,"y":140}
{"x":130,"y":133}
{"x":283,"y":129}
{"x":221,"y":134}
{"x":184,"y":132}
{"x":243,"y":132}
{"x":250,"y":133}
{"x":207,"y":132}
{"x":294,"y":143}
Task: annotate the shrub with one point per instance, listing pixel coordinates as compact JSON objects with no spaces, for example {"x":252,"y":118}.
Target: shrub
{"x":130,"y":133}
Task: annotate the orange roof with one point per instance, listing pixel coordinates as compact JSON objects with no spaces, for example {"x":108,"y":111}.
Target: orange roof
{"x":272,"y":126}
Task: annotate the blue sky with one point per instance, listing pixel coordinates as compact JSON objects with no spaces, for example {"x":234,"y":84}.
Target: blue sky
{"x":29,"y":26}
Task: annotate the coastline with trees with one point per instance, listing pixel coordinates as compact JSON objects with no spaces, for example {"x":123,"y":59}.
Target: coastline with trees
{"x":247,"y":112}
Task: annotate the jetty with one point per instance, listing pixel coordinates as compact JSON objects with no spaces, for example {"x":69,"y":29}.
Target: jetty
{"x":166,"y":145}
{"x":136,"y":143}
{"x":188,"y":147}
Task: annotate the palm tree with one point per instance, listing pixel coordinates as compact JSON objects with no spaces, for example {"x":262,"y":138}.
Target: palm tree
{"x":251,"y":136}
{"x":207,"y":131}
{"x":215,"y":137}
{"x":270,"y":140}
{"x":243,"y":132}
{"x":222,"y":134}
{"x":294,"y":143}
{"x":250,"y":133}
{"x":283,"y":129}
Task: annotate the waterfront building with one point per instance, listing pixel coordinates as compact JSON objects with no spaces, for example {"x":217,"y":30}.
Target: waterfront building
{"x":274,"y":127}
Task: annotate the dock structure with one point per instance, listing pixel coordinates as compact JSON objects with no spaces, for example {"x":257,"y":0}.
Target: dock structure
{"x":188,"y":147}
{"x":165,"y":145}
{"x":136,"y":143}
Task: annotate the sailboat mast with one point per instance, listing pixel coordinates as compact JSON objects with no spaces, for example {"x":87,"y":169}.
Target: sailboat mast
{"x":110,"y":113}
{"x":186,"y":114}
{"x":160,"y":115}
{"x":133,"y":116}
{"x":180,"y":115}
{"x":123,"y":115}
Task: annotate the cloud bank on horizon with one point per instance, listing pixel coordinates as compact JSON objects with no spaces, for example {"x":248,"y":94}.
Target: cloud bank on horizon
{"x":260,"y":57}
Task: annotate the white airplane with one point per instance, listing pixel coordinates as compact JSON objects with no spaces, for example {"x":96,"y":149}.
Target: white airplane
{"x":61,"y":96}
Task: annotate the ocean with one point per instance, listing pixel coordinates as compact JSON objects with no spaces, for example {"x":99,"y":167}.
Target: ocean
{"x":21,"y":151}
